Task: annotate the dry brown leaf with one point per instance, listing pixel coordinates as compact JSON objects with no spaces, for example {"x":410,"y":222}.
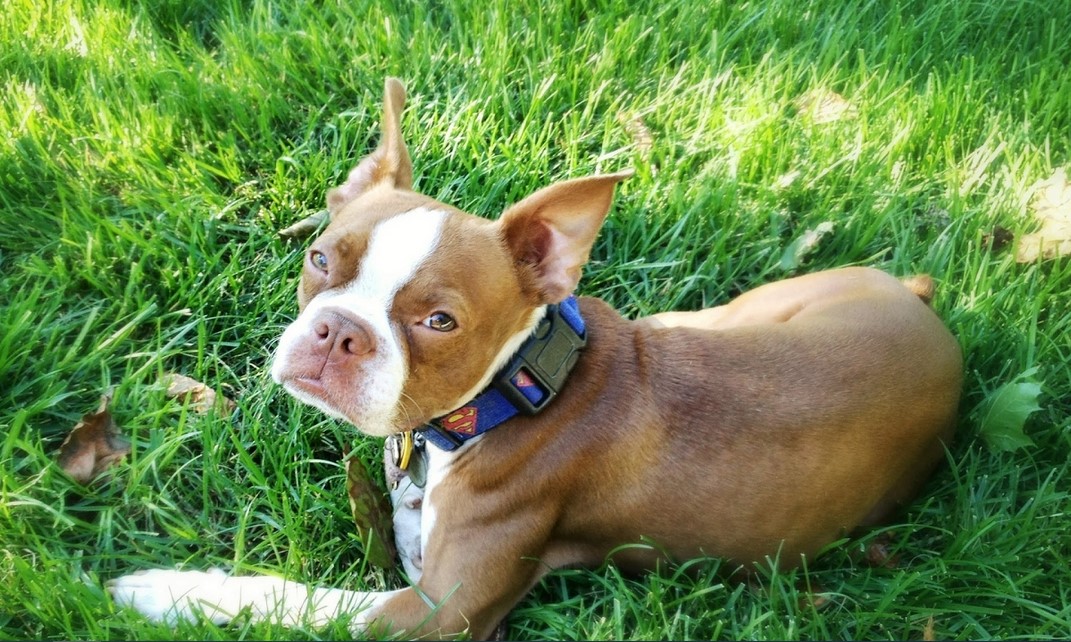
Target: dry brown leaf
{"x":797,"y":251}
{"x":641,"y":135}
{"x":928,"y":633}
{"x":879,"y":554}
{"x":825,"y":106}
{"x":1052,"y":206}
{"x":93,"y":445}
{"x":197,"y":394}
{"x":306,"y":226}
{"x":998,"y":239}
{"x":816,"y":598}
{"x":371,"y":514}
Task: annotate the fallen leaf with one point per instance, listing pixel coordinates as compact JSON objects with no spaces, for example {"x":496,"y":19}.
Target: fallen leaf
{"x":879,"y":553}
{"x":1052,"y":206}
{"x":928,"y":633}
{"x":306,"y":226}
{"x":191,"y":391}
{"x":371,"y":514}
{"x":642,"y":139}
{"x":824,"y":106}
{"x":998,"y":239}
{"x":815,"y":598}
{"x":93,"y":445}
{"x":798,"y":250}
{"x":1004,"y":413}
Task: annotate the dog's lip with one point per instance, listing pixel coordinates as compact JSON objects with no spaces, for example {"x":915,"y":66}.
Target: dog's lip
{"x":310,"y":389}
{"x":309,"y":385}
{"x":313,"y":391}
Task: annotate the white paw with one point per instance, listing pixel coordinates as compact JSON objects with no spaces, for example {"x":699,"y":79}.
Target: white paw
{"x":173,"y":596}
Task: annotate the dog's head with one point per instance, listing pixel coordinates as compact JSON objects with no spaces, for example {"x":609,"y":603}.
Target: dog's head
{"x":408,"y":306}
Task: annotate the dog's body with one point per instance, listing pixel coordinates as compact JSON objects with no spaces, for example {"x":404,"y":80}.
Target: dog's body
{"x":767,"y":427}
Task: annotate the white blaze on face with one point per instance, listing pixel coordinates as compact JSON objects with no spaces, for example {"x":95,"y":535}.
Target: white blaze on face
{"x":396,"y":249}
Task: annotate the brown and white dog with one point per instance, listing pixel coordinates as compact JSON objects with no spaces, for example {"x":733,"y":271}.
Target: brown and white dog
{"x":765,"y":428}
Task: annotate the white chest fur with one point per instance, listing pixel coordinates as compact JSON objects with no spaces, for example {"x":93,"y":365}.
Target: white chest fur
{"x":416,"y":509}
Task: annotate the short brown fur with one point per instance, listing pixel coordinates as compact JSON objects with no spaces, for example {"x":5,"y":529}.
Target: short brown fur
{"x":764,"y":428}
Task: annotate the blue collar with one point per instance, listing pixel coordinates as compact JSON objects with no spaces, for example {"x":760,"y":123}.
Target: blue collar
{"x":531,"y":379}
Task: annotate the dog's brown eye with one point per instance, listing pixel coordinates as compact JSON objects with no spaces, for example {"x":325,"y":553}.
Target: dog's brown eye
{"x":318,"y":260}
{"x":440,"y":321}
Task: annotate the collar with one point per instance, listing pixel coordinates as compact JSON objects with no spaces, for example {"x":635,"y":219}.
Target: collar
{"x":525,"y":385}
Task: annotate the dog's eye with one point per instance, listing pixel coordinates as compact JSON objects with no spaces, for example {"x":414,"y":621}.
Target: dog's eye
{"x":318,"y":260}
{"x":440,"y":321}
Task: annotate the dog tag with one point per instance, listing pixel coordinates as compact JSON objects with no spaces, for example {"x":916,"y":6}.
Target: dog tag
{"x":400,"y":449}
{"x":418,"y":467}
{"x":394,"y":450}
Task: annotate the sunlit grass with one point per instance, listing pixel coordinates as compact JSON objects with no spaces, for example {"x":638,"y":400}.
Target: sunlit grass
{"x":150,"y":152}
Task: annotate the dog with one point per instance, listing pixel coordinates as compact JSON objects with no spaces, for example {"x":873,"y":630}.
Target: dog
{"x":529,"y":430}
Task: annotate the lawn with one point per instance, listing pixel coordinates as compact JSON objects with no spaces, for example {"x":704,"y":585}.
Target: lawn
{"x":150,"y":152}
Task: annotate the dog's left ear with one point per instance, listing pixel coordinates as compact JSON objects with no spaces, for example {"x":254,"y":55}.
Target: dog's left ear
{"x":389,"y":163}
{"x":550,"y":233}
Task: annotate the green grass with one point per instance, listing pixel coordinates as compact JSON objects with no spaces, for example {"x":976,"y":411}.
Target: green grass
{"x":150,"y":152}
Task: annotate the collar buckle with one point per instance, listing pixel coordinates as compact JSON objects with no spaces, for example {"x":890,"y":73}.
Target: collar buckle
{"x":537,"y":373}
{"x":525,"y":385}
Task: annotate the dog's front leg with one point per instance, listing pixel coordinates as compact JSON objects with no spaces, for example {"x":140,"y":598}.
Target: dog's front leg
{"x":472,"y":604}
{"x":171,"y":596}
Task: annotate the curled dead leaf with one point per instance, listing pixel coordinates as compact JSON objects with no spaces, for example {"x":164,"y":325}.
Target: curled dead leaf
{"x":198,"y":395}
{"x":642,"y":139}
{"x":1052,"y":207}
{"x":372,"y":514}
{"x":815,"y":598}
{"x":928,"y":633}
{"x":998,"y":239}
{"x":797,"y":251}
{"x":306,"y":226}
{"x":879,"y":554}
{"x":93,"y":445}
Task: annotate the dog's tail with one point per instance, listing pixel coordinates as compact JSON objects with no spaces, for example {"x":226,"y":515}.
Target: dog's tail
{"x":922,"y":286}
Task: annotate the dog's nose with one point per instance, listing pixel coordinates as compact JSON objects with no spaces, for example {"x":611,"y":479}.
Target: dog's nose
{"x":343,"y":334}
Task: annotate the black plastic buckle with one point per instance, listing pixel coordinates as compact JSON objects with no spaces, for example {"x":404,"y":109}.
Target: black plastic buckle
{"x":546,"y":357}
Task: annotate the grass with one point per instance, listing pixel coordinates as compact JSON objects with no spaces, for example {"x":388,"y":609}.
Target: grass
{"x":151,"y":151}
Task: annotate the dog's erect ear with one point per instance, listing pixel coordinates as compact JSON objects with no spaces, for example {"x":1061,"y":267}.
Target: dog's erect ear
{"x":389,"y":163}
{"x":550,"y":233}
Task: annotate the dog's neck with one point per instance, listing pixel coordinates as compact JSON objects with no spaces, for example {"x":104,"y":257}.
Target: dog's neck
{"x":531,"y":379}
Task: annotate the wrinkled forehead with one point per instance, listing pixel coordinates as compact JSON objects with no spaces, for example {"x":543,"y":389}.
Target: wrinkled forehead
{"x":378,"y":246}
{"x":397,"y":247}
{"x":372,"y":256}
{"x":355,"y":222}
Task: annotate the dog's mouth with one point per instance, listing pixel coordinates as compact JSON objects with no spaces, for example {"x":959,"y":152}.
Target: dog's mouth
{"x":339,"y":399}
{"x":307,"y":386}
{"x":314,"y":392}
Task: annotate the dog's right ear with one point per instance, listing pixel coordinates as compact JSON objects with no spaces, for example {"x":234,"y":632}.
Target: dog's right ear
{"x":550,"y":233}
{"x":390,"y":162}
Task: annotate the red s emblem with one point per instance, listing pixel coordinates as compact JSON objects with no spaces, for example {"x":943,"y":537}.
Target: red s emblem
{"x":462,"y":420}
{"x":522,"y":380}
